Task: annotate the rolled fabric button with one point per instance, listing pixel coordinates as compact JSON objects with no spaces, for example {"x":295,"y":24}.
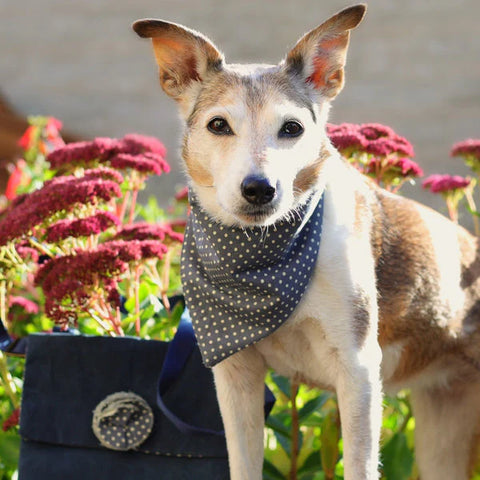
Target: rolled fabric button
{"x":122,"y":421}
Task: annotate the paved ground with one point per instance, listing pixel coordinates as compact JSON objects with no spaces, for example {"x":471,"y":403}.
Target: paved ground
{"x":413,"y":64}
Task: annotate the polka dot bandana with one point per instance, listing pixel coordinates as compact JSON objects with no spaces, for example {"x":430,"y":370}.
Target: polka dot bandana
{"x":240,"y":285}
{"x":122,"y":421}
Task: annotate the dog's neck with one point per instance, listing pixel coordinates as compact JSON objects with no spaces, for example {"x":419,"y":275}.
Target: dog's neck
{"x":242,"y":284}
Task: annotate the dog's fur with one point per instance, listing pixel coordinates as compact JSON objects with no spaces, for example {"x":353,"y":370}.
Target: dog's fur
{"x":395,"y":295}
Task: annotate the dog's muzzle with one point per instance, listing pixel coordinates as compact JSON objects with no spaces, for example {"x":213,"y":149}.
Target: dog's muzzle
{"x":257,"y":190}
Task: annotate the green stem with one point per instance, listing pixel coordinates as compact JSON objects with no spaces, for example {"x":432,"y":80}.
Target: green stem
{"x":133,"y":202}
{"x":473,"y":208}
{"x":136,"y":289}
{"x":40,"y":247}
{"x":7,"y":380}
{"x":3,"y":302}
{"x":295,"y":432}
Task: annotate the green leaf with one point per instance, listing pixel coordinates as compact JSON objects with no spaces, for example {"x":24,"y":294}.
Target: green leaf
{"x":330,"y":436}
{"x":282,"y":383}
{"x":284,"y":441}
{"x":277,"y":425}
{"x":9,"y":448}
{"x":397,"y":458}
{"x":312,"y":406}
{"x":311,"y":466}
{"x":156,"y":303}
{"x":271,"y":472}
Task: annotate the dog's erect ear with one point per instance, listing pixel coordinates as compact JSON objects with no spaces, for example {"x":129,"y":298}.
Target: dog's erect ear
{"x":183,"y":55}
{"x":319,"y":56}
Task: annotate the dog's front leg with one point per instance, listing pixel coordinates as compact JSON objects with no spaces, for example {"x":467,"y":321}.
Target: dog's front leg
{"x":240,"y":391}
{"x":360,"y":402}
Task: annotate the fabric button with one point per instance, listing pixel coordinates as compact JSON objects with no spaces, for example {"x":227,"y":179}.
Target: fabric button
{"x":122,"y":421}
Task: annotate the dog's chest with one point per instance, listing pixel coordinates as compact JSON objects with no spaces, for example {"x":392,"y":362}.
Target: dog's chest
{"x":299,"y":351}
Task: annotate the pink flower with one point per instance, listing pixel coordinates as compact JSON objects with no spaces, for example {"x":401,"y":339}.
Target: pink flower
{"x":59,"y":195}
{"x":345,"y":136}
{"x":469,"y":147}
{"x":26,"y":252}
{"x":69,"y":281}
{"x":142,"y":153}
{"x":147,"y":231}
{"x":135,"y":144}
{"x":52,"y":132}
{"x":104,"y":173}
{"x":182,"y":195}
{"x":81,"y":227}
{"x":403,"y":166}
{"x":372,"y":138}
{"x":82,"y":153}
{"x":145,"y":163}
{"x":24,"y":303}
{"x":444,"y":183}
{"x":20,"y":309}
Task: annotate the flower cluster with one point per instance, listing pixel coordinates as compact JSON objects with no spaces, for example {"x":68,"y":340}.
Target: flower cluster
{"x":377,"y":151}
{"x":81,"y":227}
{"x":59,"y":195}
{"x":43,"y":133}
{"x":438,"y":183}
{"x":372,"y":138}
{"x":133,"y":152}
{"x":469,"y":150}
{"x":147,"y":231}
{"x":73,"y":283}
{"x":12,"y":421}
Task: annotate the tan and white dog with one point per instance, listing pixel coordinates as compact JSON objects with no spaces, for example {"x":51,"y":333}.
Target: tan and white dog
{"x":395,"y":297}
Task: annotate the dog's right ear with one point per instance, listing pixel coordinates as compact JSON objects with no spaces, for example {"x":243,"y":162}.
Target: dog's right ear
{"x":184,"y":57}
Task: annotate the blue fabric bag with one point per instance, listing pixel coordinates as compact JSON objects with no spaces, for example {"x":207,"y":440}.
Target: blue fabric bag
{"x":120,"y":409}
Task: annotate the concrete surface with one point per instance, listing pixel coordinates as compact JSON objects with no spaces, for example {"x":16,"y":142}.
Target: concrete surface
{"x":413,"y":64}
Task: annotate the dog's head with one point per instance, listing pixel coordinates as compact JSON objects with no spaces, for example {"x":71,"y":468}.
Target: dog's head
{"x":255,"y":140}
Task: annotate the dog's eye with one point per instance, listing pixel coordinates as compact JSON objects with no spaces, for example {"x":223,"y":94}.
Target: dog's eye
{"x":291,"y":129}
{"x":219,"y":126}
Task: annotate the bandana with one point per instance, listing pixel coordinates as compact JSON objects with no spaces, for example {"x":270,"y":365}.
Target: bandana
{"x":241,"y":284}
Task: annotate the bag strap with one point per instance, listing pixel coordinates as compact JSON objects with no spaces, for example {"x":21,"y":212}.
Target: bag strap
{"x":9,"y":345}
{"x":178,"y":352}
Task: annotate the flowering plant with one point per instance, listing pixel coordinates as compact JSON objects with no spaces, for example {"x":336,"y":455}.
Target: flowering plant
{"x":78,"y":250}
{"x":71,"y":254}
{"x":377,"y":151}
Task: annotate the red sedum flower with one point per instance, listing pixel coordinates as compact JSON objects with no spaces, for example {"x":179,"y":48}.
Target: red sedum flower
{"x":469,"y":147}
{"x":12,"y":421}
{"x":444,"y":183}
{"x":59,"y":195}
{"x":148,"y":231}
{"x":81,"y":227}
{"x":70,"y":281}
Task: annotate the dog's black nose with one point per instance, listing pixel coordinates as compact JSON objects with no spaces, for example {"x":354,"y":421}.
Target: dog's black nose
{"x":257,"y":190}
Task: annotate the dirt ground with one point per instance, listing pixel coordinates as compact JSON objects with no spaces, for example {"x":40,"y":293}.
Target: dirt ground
{"x":413,"y":64}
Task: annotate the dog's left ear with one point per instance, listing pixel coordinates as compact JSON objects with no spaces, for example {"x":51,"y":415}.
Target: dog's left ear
{"x":319,"y":56}
{"x":184,"y":57}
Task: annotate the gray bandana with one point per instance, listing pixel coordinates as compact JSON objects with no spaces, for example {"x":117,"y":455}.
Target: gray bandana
{"x":240,"y":285}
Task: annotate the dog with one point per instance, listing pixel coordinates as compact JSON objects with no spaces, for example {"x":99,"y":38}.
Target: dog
{"x":393,"y":300}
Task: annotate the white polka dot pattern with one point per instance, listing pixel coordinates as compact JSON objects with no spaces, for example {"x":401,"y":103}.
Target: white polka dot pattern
{"x":240,"y":285}
{"x":122,"y":421}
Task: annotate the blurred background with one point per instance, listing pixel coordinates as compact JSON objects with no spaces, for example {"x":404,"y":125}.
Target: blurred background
{"x":413,"y":65}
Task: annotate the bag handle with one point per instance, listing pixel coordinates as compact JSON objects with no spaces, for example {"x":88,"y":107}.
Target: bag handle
{"x":178,"y":352}
{"x":8,"y":345}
